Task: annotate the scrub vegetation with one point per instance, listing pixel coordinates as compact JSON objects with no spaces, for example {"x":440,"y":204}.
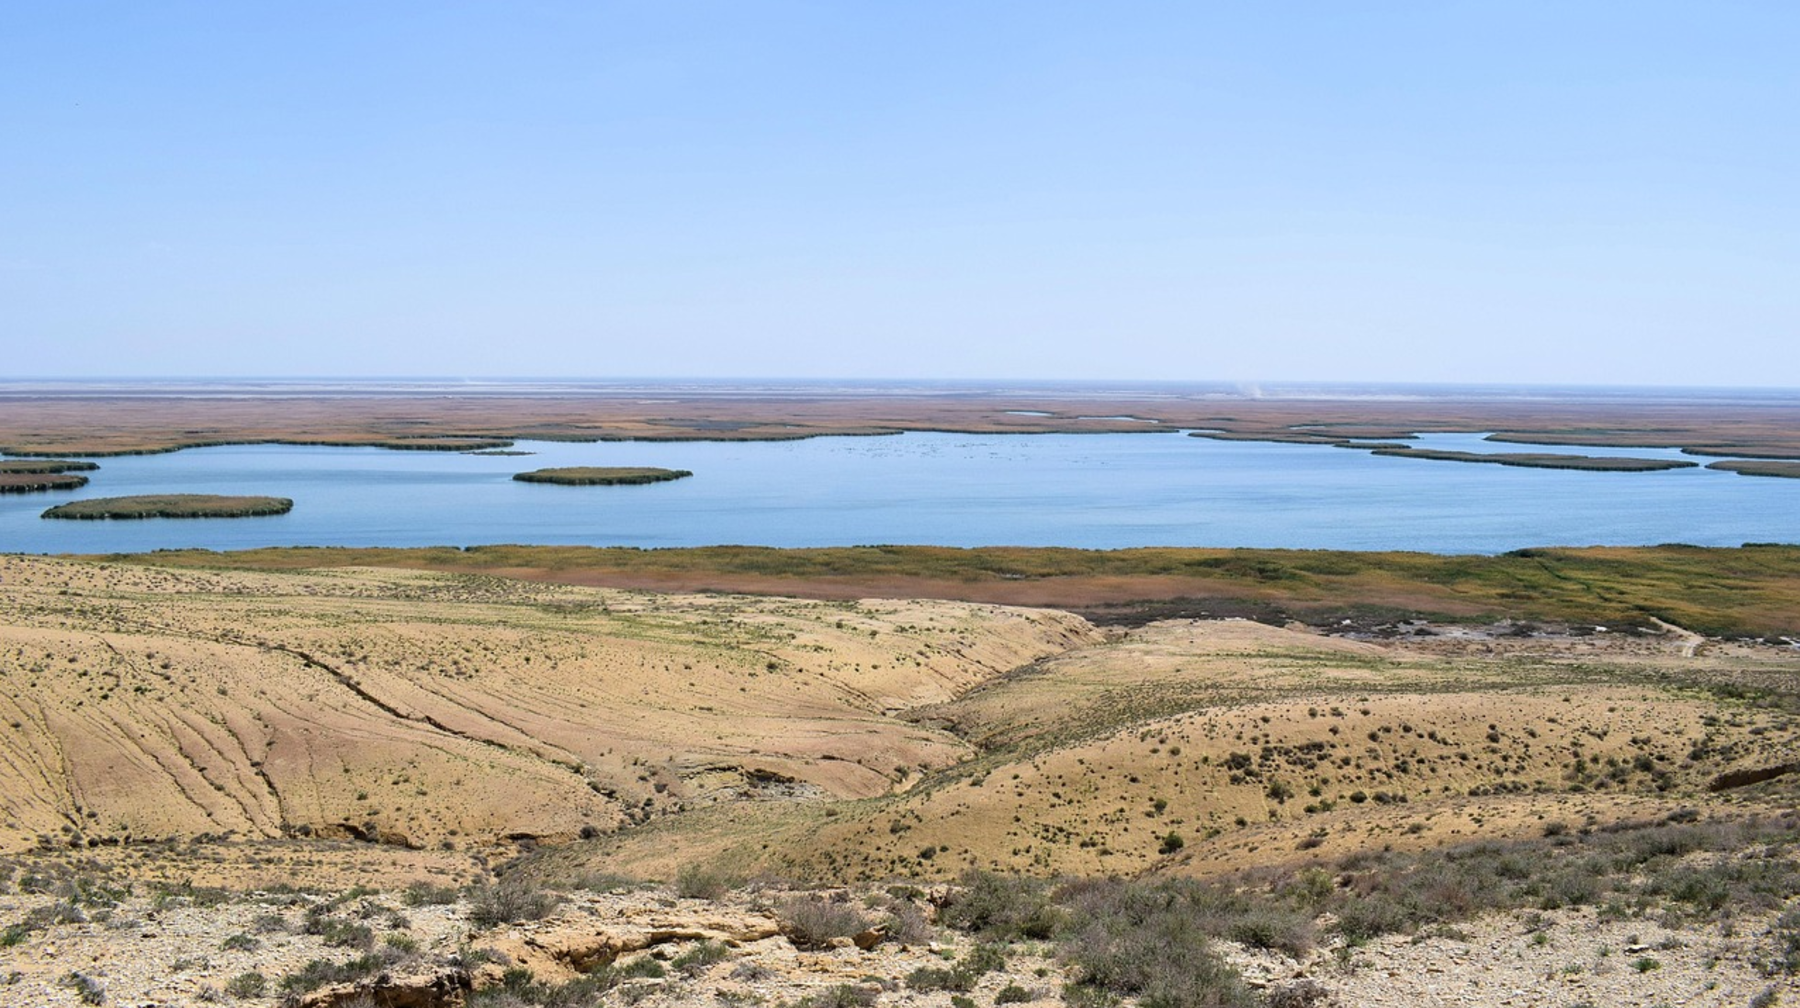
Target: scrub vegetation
{"x":171,"y":506}
{"x":1540,"y":460}
{"x":1760,"y":467}
{"x":28,"y":482}
{"x":1749,"y":591}
{"x":602,"y":475}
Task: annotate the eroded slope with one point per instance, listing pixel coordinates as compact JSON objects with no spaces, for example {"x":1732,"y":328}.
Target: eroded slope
{"x":424,"y":709}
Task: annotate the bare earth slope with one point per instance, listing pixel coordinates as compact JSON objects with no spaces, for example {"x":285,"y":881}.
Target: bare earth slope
{"x":418,"y":708}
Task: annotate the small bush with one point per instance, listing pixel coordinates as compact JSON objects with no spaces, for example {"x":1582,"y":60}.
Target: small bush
{"x":320,"y":972}
{"x":425,"y":894}
{"x":1013,"y":994}
{"x":1003,"y":906}
{"x":698,"y":881}
{"x":842,"y":996}
{"x":247,"y":985}
{"x":698,"y":959}
{"x":1298,"y":994}
{"x":907,"y":924}
{"x":509,"y":901}
{"x":1786,"y":933}
{"x":810,"y":922}
{"x":89,"y":990}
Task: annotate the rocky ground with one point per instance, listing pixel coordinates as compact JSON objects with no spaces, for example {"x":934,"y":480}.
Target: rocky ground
{"x":655,"y":949}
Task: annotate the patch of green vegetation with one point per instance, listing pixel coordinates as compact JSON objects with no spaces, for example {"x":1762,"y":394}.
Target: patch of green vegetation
{"x":1114,"y":934}
{"x":25,"y":482}
{"x":36,"y":465}
{"x":509,"y":901}
{"x":602,"y":475}
{"x":1749,"y":591}
{"x":1540,"y":460}
{"x":171,"y":506}
{"x":1760,"y":467}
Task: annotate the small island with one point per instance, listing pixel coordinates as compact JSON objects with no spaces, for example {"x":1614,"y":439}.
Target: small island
{"x":1541,"y":460}
{"x":602,"y":475}
{"x":45,"y":466}
{"x":171,"y":506}
{"x":28,"y":482}
{"x":1760,"y":467}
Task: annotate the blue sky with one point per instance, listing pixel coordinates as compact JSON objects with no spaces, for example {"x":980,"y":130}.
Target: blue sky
{"x":1515,"y":192}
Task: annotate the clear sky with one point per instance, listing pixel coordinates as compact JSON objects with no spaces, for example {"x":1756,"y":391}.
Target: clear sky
{"x":1537,"y":192}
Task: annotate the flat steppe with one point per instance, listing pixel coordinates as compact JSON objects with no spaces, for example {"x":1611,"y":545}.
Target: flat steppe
{"x":78,"y":421}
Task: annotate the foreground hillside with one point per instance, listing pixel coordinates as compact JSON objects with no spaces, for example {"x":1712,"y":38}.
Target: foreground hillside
{"x":397,"y":787}
{"x":424,"y":710}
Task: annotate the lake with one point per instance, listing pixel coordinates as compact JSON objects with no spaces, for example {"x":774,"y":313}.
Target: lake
{"x":1094,"y":490}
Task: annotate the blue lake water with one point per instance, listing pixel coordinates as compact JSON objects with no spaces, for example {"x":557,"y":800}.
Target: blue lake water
{"x":1096,"y":490}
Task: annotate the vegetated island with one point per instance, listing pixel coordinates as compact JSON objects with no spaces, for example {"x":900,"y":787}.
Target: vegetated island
{"x":45,"y":466}
{"x":1759,"y":467}
{"x":1541,"y":460}
{"x":602,"y":475}
{"x":16,"y":482}
{"x":171,"y":506}
{"x":500,"y":451}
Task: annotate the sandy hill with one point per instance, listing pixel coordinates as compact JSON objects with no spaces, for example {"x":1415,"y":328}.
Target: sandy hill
{"x":423,"y":709}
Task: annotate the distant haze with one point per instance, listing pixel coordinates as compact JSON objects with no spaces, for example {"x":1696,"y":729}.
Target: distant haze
{"x":1522,"y":192}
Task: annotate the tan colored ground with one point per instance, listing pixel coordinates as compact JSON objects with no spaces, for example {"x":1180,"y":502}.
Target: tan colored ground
{"x":157,"y":949}
{"x":355,"y":727}
{"x":823,"y":739}
{"x":1271,"y":746}
{"x":430,"y":710}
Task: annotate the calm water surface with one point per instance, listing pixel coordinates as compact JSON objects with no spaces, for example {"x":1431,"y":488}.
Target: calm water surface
{"x":1097,"y":490}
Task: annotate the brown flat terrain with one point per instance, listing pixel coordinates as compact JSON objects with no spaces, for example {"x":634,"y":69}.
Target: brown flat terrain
{"x":1748,"y":591}
{"x":85,"y":423}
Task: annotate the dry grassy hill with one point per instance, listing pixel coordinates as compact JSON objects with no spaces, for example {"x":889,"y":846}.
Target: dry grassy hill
{"x":1255,"y":745}
{"x":422,"y":709}
{"x":826,"y":739}
{"x":1292,"y":808}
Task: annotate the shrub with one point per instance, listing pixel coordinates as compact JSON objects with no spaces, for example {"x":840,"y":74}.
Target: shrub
{"x":1013,"y":994}
{"x":842,"y":996}
{"x":695,"y":961}
{"x":697,"y":881}
{"x":507,"y":902}
{"x":1003,"y":906}
{"x":425,"y":894}
{"x":1121,"y":944}
{"x":320,"y":972}
{"x":89,"y":990}
{"x":906,"y":924}
{"x":810,"y":922}
{"x":1786,"y":933}
{"x":247,"y":985}
{"x":1298,"y":994}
